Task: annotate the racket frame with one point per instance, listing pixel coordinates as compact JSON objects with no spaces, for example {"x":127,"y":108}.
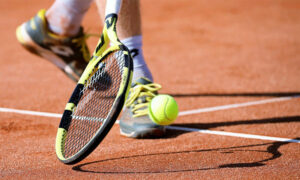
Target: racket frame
{"x":102,"y":50}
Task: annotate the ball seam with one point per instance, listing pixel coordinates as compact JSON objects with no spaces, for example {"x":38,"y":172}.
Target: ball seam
{"x":166,"y":104}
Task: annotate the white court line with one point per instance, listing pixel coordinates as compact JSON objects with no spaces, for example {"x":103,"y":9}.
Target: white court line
{"x":33,"y":113}
{"x":196,"y":111}
{"x":233,"y":106}
{"x":240,"y":135}
{"x":183,"y":113}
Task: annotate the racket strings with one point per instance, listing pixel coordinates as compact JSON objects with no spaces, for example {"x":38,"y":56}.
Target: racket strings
{"x":96,"y":102}
{"x":99,"y":73}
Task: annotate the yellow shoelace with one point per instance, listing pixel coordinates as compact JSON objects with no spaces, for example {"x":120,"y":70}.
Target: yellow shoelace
{"x":148,"y":91}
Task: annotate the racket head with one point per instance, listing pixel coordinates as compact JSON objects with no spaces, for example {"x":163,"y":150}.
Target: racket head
{"x":98,"y":98}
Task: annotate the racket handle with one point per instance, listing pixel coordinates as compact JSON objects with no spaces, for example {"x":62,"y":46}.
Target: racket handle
{"x":112,"y":7}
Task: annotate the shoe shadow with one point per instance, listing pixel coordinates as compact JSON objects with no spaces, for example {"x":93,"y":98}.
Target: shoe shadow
{"x":119,"y":165}
{"x":174,"y":133}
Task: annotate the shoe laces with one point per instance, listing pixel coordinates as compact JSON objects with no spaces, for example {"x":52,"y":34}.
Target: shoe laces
{"x":140,"y":97}
{"x":81,"y":42}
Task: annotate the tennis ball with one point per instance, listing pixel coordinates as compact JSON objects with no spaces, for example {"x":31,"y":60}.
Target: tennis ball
{"x":163,"y":109}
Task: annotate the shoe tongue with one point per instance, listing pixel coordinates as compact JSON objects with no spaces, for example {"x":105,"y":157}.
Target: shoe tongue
{"x":141,"y":81}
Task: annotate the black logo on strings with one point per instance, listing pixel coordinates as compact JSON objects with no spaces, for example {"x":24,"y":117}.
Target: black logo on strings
{"x":134,"y":52}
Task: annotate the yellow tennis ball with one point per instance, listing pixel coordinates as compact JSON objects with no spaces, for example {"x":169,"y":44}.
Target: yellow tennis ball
{"x":163,"y":109}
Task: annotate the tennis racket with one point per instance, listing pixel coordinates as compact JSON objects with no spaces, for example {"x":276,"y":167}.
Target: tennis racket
{"x":99,"y":95}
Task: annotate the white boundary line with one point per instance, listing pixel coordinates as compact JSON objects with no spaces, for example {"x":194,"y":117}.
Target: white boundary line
{"x":240,"y":135}
{"x":233,"y":106}
{"x":195,"y":111}
{"x":33,"y":113}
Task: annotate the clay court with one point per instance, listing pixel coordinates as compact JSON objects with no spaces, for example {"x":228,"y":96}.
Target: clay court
{"x":233,"y":67}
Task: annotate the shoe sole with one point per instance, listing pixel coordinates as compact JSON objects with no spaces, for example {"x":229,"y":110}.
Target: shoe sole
{"x":155,"y":132}
{"x":26,"y":41}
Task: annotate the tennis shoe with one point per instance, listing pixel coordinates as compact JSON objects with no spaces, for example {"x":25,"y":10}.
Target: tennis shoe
{"x":135,"y":121}
{"x":70,"y":54}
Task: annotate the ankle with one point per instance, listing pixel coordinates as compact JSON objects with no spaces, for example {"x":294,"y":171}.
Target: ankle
{"x":140,"y":68}
{"x":61,"y":26}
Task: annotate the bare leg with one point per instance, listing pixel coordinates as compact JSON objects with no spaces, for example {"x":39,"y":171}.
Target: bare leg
{"x":129,"y":23}
{"x":130,"y":33}
{"x":65,"y":16}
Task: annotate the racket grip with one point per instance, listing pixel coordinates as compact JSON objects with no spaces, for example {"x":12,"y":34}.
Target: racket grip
{"x":112,"y":7}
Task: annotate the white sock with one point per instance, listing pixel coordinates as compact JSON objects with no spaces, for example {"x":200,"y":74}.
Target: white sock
{"x":140,"y":68}
{"x":65,"y":16}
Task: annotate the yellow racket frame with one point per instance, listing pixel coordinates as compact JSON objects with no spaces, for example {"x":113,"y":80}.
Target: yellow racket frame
{"x":107,"y":44}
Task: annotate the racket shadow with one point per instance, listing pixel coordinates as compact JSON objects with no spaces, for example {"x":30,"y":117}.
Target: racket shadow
{"x":118,"y":165}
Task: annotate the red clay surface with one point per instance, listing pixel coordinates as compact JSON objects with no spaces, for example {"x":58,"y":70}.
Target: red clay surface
{"x":205,"y":54}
